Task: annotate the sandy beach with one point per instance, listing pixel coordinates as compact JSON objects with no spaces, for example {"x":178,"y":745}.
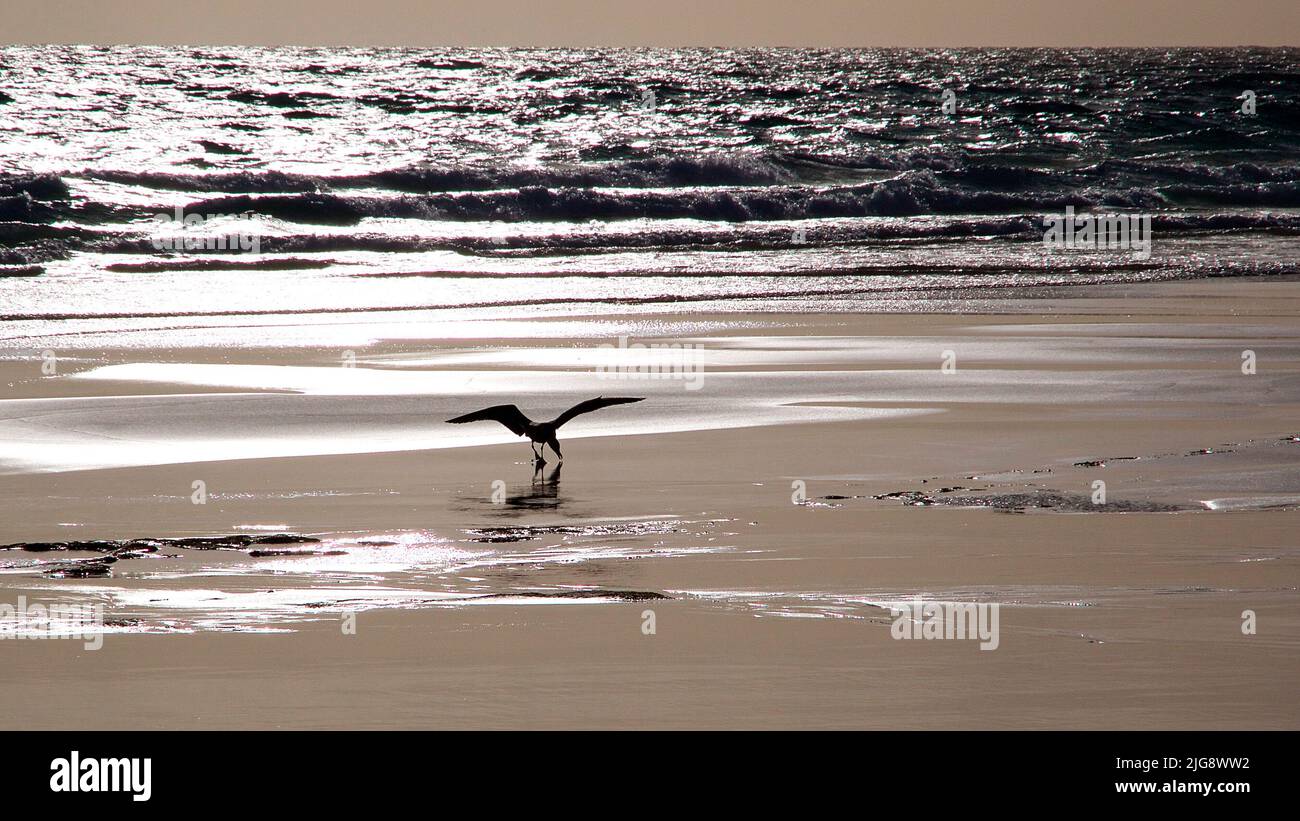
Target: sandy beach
{"x":761,"y":511}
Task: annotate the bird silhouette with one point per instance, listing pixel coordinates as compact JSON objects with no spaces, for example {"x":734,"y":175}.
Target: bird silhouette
{"x":540,"y":432}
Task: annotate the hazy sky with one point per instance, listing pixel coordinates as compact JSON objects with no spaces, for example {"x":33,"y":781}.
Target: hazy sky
{"x":655,"y":22}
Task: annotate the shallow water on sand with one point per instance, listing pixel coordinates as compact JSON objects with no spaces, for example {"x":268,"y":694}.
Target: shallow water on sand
{"x":547,"y":542}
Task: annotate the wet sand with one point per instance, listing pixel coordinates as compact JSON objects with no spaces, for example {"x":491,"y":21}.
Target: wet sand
{"x":527,"y":609}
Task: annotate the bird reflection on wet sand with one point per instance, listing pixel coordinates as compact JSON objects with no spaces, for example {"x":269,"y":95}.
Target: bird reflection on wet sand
{"x":541,"y":493}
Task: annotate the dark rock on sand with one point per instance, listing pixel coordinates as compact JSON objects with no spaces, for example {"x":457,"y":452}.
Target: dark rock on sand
{"x":237,"y":542}
{"x":260,"y":554}
{"x":1101,"y":463}
{"x":87,"y":569}
{"x":21,"y":270}
{"x":36,"y":547}
{"x":1037,"y":500}
{"x":621,"y":595}
{"x":284,"y":538}
{"x":908,"y":497}
{"x":125,"y":548}
{"x":522,"y":533}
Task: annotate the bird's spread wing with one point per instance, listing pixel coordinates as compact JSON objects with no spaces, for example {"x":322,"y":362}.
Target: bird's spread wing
{"x":508,"y":415}
{"x":593,"y":404}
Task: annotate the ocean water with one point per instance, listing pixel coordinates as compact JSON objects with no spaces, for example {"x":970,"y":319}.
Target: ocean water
{"x":375,"y":179}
